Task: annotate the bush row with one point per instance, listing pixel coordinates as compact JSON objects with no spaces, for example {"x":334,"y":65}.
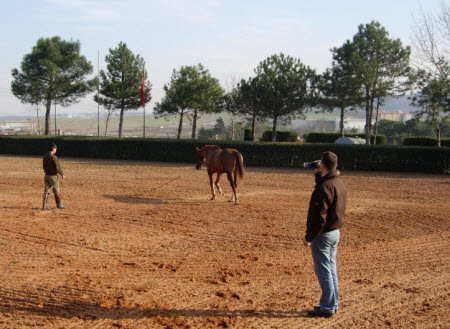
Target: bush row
{"x":425,"y":141}
{"x":281,"y":136}
{"x":316,"y":137}
{"x":351,"y":157}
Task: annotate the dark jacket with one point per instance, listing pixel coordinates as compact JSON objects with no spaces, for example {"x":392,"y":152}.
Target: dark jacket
{"x":327,"y":206}
{"x":51,"y":165}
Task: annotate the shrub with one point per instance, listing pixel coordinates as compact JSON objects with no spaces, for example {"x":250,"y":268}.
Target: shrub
{"x":248,"y":134}
{"x":282,"y":136}
{"x":424,"y":141}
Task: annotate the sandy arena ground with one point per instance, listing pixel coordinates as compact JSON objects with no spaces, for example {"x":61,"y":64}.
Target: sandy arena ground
{"x":141,"y":246}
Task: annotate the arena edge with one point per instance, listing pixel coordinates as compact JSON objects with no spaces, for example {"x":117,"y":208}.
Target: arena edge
{"x":351,"y":157}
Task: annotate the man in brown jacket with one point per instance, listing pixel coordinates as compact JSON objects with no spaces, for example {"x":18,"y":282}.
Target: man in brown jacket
{"x":325,"y":218}
{"x":51,"y":180}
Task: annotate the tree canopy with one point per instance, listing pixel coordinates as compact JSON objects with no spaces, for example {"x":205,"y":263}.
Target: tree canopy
{"x":191,"y":90}
{"x":431,"y":81}
{"x":433,"y":97}
{"x":340,"y":85}
{"x":54,"y":71}
{"x":381,"y":63}
{"x":283,"y":86}
{"x":121,"y":82}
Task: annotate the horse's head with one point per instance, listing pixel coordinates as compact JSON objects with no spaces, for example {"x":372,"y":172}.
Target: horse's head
{"x":201,"y":157}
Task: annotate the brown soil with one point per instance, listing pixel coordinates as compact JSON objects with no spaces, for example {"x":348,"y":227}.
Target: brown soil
{"x":141,"y":246}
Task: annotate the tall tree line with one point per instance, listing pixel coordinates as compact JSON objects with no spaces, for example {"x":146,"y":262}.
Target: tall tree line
{"x":364,"y":71}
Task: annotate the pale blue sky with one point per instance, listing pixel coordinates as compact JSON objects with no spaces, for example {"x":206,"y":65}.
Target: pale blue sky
{"x":229,"y":37}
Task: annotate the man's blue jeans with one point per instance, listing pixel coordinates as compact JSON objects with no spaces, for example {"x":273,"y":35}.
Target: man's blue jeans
{"x":324,"y":251}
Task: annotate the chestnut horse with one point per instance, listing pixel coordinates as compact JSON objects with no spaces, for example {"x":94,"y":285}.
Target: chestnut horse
{"x":219,"y":161}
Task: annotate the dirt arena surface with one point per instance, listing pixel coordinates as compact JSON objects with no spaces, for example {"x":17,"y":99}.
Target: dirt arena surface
{"x":141,"y":246}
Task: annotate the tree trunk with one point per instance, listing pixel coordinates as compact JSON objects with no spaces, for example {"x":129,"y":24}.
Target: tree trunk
{"x":232,"y":126}
{"x":180,"y":126}
{"x":38,"y":120}
{"x":370,"y":119}
{"x":376,"y":123}
{"x":122,"y":105}
{"x":438,"y":137}
{"x":274,"y":129}
{"x":367,"y":127}
{"x":48,"y":104}
{"x":108,"y":116}
{"x":253,"y":124}
{"x":121,"y":122}
{"x":341,"y":124}
{"x":106,"y":125}
{"x":194,"y":124}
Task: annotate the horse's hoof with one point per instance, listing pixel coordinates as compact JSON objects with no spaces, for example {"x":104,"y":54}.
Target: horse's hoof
{"x":237,"y":202}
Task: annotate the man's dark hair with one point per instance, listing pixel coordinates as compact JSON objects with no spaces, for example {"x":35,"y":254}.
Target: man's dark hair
{"x":329,"y":160}
{"x":51,"y":146}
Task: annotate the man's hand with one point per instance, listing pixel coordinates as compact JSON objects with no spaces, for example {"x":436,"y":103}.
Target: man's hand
{"x":316,"y":170}
{"x":63,"y":176}
{"x":306,"y":243}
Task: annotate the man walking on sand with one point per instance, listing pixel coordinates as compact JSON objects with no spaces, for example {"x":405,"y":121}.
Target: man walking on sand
{"x":51,"y":180}
{"x":325,"y":218}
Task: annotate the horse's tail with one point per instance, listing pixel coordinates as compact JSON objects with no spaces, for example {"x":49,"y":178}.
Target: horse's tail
{"x":239,"y":166}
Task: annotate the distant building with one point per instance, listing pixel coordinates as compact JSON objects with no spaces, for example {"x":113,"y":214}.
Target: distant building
{"x":3,"y":130}
{"x":357,"y":124}
{"x":350,"y":123}
{"x":331,"y":125}
{"x":395,"y":115}
{"x":18,"y":127}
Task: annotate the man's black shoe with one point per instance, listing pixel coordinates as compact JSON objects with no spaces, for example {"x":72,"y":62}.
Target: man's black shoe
{"x":319,"y":314}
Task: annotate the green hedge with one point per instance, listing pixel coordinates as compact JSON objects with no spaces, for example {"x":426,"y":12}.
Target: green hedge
{"x":356,"y":157}
{"x":316,"y":137}
{"x":282,"y":136}
{"x":424,"y":141}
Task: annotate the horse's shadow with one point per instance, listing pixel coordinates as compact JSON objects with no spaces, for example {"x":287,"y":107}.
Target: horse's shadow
{"x":135,"y":199}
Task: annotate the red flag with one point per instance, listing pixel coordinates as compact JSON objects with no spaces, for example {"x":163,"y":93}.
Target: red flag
{"x":143,"y":88}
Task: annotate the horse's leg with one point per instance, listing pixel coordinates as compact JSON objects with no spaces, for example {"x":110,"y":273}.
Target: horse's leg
{"x":212,"y":185}
{"x":235,"y":185}
{"x":217,"y":183}
{"x":234,"y":195}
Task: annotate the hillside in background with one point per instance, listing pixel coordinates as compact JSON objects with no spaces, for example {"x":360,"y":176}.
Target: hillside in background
{"x":87,"y":124}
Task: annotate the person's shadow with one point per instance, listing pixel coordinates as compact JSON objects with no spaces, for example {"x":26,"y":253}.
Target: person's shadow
{"x":60,"y":303}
